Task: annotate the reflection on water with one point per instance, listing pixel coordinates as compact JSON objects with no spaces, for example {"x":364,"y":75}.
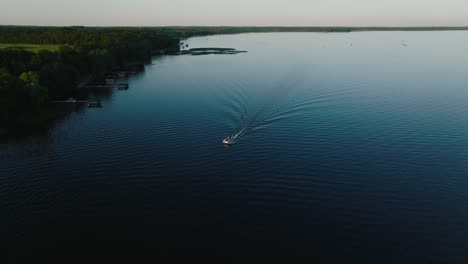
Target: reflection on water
{"x":99,"y":89}
{"x":356,"y":147}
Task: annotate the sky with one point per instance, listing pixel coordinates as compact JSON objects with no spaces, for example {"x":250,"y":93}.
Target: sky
{"x":235,"y":13}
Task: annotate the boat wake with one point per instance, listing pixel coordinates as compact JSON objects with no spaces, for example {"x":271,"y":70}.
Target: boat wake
{"x":274,"y":100}
{"x":286,"y":100}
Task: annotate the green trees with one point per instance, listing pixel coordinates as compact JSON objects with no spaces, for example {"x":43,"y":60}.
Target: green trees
{"x":60,"y":78}
{"x":109,"y":38}
{"x":100,"y":60}
{"x":42,"y":58}
{"x":20,"y":93}
{"x":35,"y":93}
{"x":15,"y":60}
{"x":7,"y":89}
{"x":74,"y":56}
{"x":6,"y":81}
{"x":28,"y":80}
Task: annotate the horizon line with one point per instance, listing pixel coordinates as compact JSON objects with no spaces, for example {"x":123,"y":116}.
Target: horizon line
{"x":229,"y":26}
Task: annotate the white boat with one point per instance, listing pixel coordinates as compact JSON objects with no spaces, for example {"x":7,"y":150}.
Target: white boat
{"x":230,"y":140}
{"x":227,"y":141}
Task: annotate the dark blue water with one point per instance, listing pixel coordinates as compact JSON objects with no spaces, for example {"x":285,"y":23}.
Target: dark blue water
{"x":351,"y":148}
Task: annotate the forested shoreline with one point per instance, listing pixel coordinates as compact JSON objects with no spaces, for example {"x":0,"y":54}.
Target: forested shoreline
{"x":59,"y":58}
{"x":28,"y":80}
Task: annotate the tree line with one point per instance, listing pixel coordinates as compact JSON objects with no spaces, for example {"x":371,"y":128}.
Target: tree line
{"x":28,"y":79}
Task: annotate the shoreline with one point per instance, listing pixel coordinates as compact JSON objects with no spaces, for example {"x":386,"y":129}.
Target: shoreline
{"x":49,"y":114}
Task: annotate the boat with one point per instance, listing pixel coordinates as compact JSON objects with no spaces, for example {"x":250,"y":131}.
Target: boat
{"x":228,"y":141}
{"x":71,"y":100}
{"x":96,"y":104}
{"x":122,"y":86}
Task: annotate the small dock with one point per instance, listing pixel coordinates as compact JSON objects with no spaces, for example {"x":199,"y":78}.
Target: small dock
{"x":91,"y":104}
{"x":71,"y":101}
{"x":117,"y":79}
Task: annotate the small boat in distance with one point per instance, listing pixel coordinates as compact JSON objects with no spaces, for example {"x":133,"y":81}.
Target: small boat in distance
{"x":95,"y":104}
{"x":228,"y":141}
{"x":71,"y":100}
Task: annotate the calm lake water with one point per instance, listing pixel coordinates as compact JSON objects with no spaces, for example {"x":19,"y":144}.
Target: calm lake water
{"x":352,"y":147}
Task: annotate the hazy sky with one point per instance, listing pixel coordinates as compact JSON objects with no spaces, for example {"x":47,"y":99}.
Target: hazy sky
{"x":240,"y":12}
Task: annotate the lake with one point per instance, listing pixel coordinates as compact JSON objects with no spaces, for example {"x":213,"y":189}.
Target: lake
{"x":349,"y":147}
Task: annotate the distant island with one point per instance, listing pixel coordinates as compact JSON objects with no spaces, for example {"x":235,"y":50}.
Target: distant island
{"x":207,"y":51}
{"x":41,"y":64}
